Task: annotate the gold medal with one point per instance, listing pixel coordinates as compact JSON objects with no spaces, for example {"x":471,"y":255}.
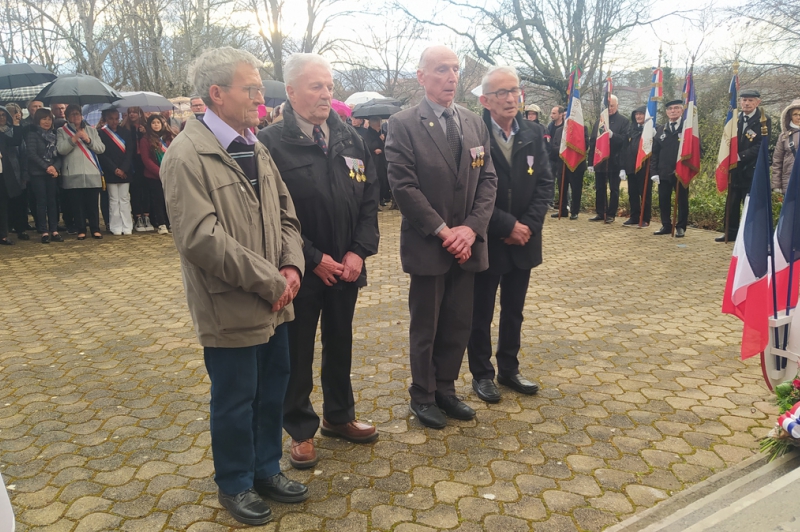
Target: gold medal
{"x":530,"y":171}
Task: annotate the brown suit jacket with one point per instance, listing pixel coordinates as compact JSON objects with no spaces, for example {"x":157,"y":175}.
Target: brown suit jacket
{"x":430,"y":190}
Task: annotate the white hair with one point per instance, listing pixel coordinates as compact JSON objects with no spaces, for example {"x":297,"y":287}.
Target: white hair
{"x":217,"y":67}
{"x":297,"y":63}
{"x":613,"y":98}
{"x":502,"y":69}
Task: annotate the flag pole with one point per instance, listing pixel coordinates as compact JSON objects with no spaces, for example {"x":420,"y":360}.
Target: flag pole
{"x":646,"y":184}
{"x":563,"y":187}
{"x":728,"y":188}
{"x":770,"y":242}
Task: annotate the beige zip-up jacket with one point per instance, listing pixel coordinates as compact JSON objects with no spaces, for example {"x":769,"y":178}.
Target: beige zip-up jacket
{"x":232,"y":243}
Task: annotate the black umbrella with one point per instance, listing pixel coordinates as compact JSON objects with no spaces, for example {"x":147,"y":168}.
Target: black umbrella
{"x":376,"y":101}
{"x":274,"y":92}
{"x":20,"y":75}
{"x":146,"y":101}
{"x":382,"y":110}
{"x":79,"y":89}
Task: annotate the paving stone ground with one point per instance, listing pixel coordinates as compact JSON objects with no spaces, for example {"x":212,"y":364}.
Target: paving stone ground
{"x":104,"y":396}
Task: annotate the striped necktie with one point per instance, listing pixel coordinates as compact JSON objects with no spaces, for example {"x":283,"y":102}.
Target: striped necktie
{"x":319,"y":139}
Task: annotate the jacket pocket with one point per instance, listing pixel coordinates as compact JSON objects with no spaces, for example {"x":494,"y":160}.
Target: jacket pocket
{"x":235,"y":309}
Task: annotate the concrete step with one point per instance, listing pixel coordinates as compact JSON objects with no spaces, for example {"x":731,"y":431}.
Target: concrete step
{"x":754,"y":495}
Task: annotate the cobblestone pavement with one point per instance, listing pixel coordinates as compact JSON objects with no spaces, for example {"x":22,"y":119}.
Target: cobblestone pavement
{"x":104,"y":396}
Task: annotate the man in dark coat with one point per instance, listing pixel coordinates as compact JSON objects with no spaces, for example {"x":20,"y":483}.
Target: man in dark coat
{"x":443,"y":180}
{"x":606,"y":173}
{"x":524,"y":188}
{"x":749,"y":136}
{"x":375,"y":140}
{"x":328,"y":170}
{"x":572,"y":179}
{"x":11,"y":178}
{"x":637,"y":182}
{"x":662,"y":169}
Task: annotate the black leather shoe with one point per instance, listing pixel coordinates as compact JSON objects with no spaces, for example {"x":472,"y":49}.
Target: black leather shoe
{"x":57,"y":238}
{"x":428,"y":414}
{"x":629,"y":222}
{"x":23,"y":236}
{"x":597,"y":218}
{"x":246,"y":507}
{"x":555,"y":215}
{"x":519,"y":383}
{"x":663,"y":231}
{"x":281,"y":489}
{"x":722,"y":238}
{"x":454,"y":407}
{"x":680,"y":233}
{"x":610,"y":220}
{"x":573,"y":216}
{"x":486,"y":390}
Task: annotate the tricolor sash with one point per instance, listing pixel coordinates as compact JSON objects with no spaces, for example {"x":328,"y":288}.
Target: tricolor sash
{"x":87,"y":152}
{"x":119,"y":141}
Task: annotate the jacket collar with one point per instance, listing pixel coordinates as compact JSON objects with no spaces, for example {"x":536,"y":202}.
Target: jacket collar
{"x":293,"y":134}
{"x":205,"y":143}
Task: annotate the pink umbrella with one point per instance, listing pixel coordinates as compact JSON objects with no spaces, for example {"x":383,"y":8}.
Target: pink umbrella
{"x":341,"y":108}
{"x":262,"y":111}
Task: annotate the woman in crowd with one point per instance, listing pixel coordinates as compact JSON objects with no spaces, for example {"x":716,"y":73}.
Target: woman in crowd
{"x":140,"y":197}
{"x":787,"y":146}
{"x":11,"y":184}
{"x":80,"y":145}
{"x":116,"y":163}
{"x":152,"y":148}
{"x":44,"y":165}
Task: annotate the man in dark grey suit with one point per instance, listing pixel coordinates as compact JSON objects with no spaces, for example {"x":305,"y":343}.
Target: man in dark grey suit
{"x":443,"y":180}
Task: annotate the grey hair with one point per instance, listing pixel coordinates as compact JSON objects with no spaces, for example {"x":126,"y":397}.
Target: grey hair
{"x":497,"y":69}
{"x":217,"y":67}
{"x":613,"y":98}
{"x":297,"y":63}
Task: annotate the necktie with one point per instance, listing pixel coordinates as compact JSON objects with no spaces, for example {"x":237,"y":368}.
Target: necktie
{"x":319,"y":139}
{"x":453,"y":138}
{"x":672,"y":126}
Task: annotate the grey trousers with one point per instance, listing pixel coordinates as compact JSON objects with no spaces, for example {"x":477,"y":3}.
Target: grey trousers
{"x":441,"y":315}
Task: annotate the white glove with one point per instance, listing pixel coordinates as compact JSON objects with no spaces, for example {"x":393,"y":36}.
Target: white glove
{"x":655,"y":179}
{"x":777,"y":190}
{"x":622,"y":175}
{"x":590,"y":169}
{"x":610,"y":134}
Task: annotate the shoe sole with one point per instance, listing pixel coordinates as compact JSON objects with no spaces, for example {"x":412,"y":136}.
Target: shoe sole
{"x":437,"y":427}
{"x":307,"y":464}
{"x":333,"y":434}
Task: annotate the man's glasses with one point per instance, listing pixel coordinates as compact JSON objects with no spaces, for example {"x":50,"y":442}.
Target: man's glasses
{"x":503,"y":93}
{"x":252,"y":90}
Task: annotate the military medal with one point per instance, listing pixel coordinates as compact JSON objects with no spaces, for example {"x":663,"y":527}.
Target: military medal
{"x":480,"y":155}
{"x":473,"y":152}
{"x":360,"y":177}
{"x":530,"y":164}
{"x":349,"y":163}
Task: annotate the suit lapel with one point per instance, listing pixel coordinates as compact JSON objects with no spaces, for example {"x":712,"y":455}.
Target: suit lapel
{"x":430,"y":123}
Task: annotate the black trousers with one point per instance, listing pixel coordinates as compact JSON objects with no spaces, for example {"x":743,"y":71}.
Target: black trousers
{"x":572,"y":182}
{"x":140,"y":195}
{"x":335,"y":307}
{"x":4,"y":199}
{"x":665,"y":190}
{"x":18,"y":212}
{"x":85,"y":205}
{"x":158,"y":209}
{"x":28,"y":204}
{"x":104,"y":208}
{"x":45,"y":188}
{"x":638,"y":183}
{"x":607,"y":205}
{"x":65,"y":206}
{"x":247,"y":389}
{"x":513,"y":289}
{"x":733,"y":204}
{"x":441,"y":313}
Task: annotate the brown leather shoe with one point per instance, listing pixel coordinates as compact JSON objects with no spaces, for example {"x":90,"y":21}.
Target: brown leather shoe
{"x":303,"y":454}
{"x":355,"y":431}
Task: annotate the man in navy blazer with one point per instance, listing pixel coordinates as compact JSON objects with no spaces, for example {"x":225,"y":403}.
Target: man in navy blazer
{"x":442,"y":178}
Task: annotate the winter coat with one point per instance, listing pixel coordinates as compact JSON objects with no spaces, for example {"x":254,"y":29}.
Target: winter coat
{"x":749,"y":133}
{"x":152,"y":168}
{"x":115,"y":158}
{"x":13,"y":178}
{"x":785,"y":149}
{"x":232,"y":241}
{"x":631,"y":152}
{"x":78,"y":170}
{"x":40,"y":155}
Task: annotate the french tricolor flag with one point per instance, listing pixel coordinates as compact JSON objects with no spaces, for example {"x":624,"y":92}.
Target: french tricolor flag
{"x":573,"y":141}
{"x":747,"y":291}
{"x":728,"y":156}
{"x":602,"y":145}
{"x":649,"y":130}
{"x":688,"y":164}
{"x":787,"y":244}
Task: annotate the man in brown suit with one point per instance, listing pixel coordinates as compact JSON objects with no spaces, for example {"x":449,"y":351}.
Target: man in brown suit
{"x":443,"y":180}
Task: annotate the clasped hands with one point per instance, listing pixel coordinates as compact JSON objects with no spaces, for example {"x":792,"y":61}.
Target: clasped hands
{"x":519,"y":235}
{"x":458,"y":241}
{"x":292,"y":276}
{"x":331,"y":271}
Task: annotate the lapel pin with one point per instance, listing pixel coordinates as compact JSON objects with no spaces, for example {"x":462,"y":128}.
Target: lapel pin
{"x":430,"y":124}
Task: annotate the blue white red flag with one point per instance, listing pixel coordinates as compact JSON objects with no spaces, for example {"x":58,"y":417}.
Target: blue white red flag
{"x":602,"y":145}
{"x":728,"y":156}
{"x":787,"y":243}
{"x":649,"y":130}
{"x":747,"y":291}
{"x":573,"y":141}
{"x":688,"y":163}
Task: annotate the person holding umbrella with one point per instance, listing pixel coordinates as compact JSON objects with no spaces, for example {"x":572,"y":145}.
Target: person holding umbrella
{"x":10,"y":175}
{"x":44,"y":166}
{"x":152,"y":148}
{"x":82,"y":177}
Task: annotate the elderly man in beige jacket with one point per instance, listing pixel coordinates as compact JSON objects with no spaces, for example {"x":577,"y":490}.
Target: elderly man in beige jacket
{"x":239,"y":241}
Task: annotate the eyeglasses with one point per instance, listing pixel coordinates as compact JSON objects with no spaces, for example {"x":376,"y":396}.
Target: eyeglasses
{"x":502,"y":93}
{"x":252,"y":90}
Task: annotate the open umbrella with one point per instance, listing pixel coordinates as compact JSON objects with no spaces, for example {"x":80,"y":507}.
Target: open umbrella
{"x":21,"y":94}
{"x":382,"y":110}
{"x":341,"y":108}
{"x":362,"y":97}
{"x":147,"y":101}
{"x":274,"y":92}
{"x":19,"y":75}
{"x":79,"y":89}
